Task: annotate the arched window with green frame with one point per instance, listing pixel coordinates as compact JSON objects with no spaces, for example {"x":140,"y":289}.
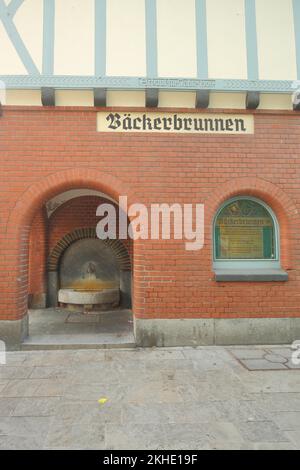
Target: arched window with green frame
{"x":245,"y":229}
{"x":246,"y":235}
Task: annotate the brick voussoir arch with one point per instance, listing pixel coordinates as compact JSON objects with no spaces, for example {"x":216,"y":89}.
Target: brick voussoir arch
{"x":282,"y":205}
{"x":274,"y":196}
{"x":19,"y":222}
{"x":58,"y":182}
{"x":117,"y":247}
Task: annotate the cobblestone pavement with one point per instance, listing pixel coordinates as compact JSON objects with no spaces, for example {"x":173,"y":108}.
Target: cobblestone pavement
{"x":179,"y":398}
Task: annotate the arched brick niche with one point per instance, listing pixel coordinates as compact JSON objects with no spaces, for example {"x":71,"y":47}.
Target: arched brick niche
{"x":116,"y":246}
{"x":118,"y":250}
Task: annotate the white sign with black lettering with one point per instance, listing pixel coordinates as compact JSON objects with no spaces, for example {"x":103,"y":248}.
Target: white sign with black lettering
{"x":187,"y":123}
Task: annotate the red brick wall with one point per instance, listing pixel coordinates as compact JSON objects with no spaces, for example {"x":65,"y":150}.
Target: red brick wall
{"x":47,"y":151}
{"x":38,"y":245}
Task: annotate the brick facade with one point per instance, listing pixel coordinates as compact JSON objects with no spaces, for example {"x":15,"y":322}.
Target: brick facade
{"x":47,"y":151}
{"x":38,"y":250}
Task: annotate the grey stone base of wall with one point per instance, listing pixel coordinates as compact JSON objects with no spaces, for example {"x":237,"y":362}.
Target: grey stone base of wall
{"x":219,"y":331}
{"x":13,"y":333}
{"x":187,"y":332}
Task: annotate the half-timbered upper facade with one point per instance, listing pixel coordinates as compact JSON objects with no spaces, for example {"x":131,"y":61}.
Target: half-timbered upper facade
{"x":232,"y":46}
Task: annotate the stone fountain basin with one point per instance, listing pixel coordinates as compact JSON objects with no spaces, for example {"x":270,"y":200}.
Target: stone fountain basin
{"x":82,"y":297}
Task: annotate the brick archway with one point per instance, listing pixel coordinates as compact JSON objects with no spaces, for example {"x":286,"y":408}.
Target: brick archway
{"x":18,"y":228}
{"x":59,"y":182}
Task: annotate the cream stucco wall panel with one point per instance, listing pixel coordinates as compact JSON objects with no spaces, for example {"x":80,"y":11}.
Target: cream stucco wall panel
{"x":226,"y":40}
{"x":176,"y":38}
{"x":275,"y":101}
{"x":173,"y":99}
{"x":29,"y":23}
{"x":126,"y":43}
{"x":126,"y":98}
{"x":227,"y":100}
{"x":23,"y":98}
{"x":276,"y":41}
{"x":74,"y":98}
{"x":74,"y":37}
{"x":10,"y":63}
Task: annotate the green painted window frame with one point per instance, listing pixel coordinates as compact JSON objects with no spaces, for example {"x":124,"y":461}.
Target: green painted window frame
{"x":247,"y":264}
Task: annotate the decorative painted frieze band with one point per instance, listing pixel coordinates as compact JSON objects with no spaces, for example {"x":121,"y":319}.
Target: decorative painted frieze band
{"x":142,"y":83}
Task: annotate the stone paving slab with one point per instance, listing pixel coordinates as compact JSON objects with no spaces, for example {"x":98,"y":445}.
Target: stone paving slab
{"x":15,"y":372}
{"x":169,"y":398}
{"x":273,"y":402}
{"x":288,"y":420}
{"x":36,"y":406}
{"x":265,"y":358}
{"x":3,"y":384}
{"x":248,"y":353}
{"x":23,"y":432}
{"x":262,"y":364}
{"x":294,"y":437}
{"x":270,"y":446}
{"x":7,"y":406}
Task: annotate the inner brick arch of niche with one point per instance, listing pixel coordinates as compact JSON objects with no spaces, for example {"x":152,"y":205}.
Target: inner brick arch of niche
{"x":118,"y":249}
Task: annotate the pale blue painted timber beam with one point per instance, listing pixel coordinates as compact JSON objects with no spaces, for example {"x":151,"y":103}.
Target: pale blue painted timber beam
{"x":202,"y":96}
{"x":151,"y":38}
{"x":7,"y":13}
{"x":201,"y":38}
{"x":296,"y":10}
{"x":100,"y":38}
{"x":48,"y":36}
{"x":251,"y":40}
{"x":13,"y":7}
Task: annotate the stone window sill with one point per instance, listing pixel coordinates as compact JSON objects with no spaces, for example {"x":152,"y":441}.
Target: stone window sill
{"x":250,"y":275}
